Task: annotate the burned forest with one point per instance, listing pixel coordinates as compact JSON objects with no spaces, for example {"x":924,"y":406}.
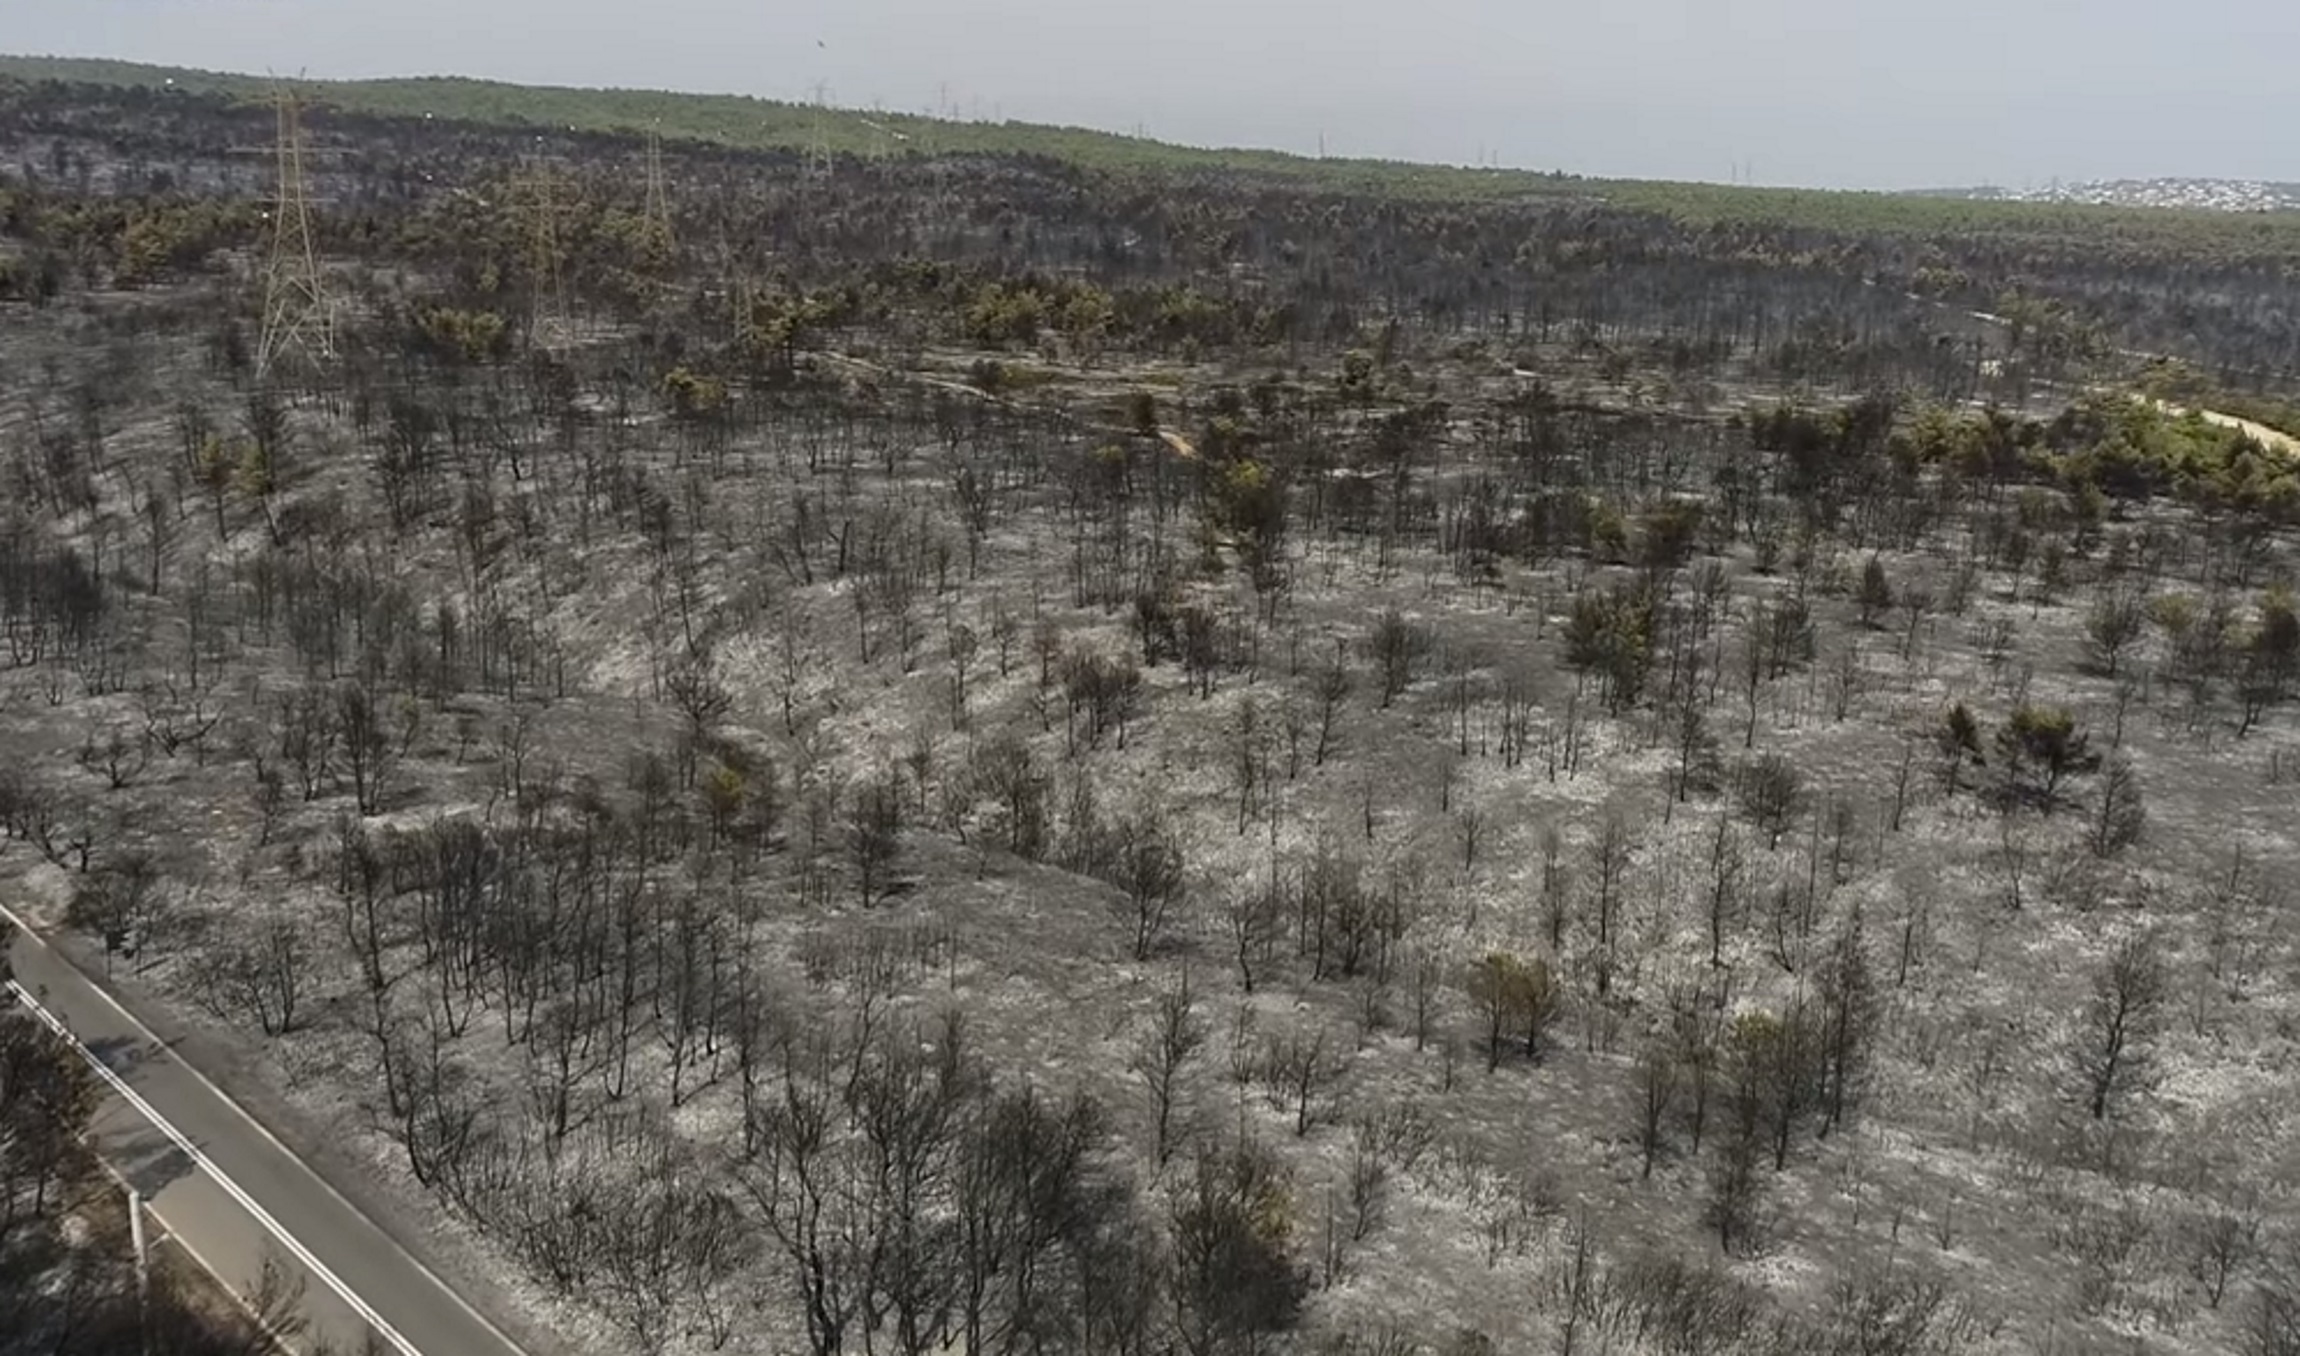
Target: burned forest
{"x":969,"y":751}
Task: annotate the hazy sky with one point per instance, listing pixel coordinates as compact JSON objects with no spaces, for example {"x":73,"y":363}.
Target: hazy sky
{"x":1863,"y":93}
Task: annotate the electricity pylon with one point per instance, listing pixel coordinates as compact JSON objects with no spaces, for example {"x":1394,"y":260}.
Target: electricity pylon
{"x":938,"y":209}
{"x":751,"y":343}
{"x":547,"y":326}
{"x":296,"y":310}
{"x":818,"y":160}
{"x":658,"y":218}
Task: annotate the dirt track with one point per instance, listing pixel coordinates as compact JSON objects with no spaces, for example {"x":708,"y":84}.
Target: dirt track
{"x":2273,"y":439}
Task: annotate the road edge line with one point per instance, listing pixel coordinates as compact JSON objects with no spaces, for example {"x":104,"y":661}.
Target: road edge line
{"x":170,"y":1234}
{"x":239,"y":1301}
{"x":269,"y":1138}
{"x":231,"y":1188}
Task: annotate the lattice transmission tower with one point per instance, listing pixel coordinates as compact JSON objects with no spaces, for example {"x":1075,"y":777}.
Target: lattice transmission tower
{"x":743,"y":309}
{"x":548,"y":324}
{"x":818,"y":152}
{"x":658,"y":218}
{"x":297,"y":313}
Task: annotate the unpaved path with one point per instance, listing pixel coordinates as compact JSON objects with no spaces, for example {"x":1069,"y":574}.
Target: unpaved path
{"x":2273,"y":439}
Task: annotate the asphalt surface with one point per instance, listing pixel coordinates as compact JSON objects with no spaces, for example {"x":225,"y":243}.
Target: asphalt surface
{"x":220,"y":1226}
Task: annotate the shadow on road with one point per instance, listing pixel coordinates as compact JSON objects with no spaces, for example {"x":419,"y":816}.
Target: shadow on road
{"x":120,"y":1053}
{"x":146,"y":1159}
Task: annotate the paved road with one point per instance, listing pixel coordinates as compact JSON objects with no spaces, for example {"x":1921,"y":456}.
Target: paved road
{"x":219,"y":1226}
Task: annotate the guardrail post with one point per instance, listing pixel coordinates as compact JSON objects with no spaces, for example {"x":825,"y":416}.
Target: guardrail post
{"x":143,"y":1265}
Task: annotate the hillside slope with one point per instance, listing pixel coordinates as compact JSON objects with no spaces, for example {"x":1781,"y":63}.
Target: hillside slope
{"x":766,"y":124}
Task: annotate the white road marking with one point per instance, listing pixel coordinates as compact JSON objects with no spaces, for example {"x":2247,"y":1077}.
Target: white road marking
{"x":221,"y":1284}
{"x":231,"y":1188}
{"x":269,"y":1138}
{"x":169,"y":1235}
